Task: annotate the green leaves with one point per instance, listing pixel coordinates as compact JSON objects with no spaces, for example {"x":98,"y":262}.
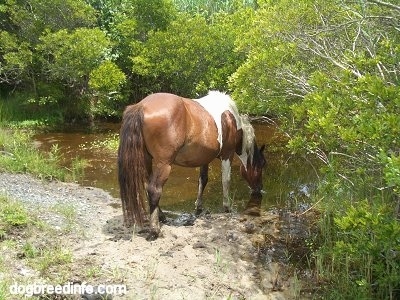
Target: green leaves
{"x":33,"y":17}
{"x":107,"y":77}
{"x":15,"y":59}
{"x":368,"y":248}
{"x":72,"y":56}
{"x":188,"y":66}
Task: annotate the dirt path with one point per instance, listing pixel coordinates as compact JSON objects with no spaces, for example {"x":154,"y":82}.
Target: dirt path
{"x":215,"y":258}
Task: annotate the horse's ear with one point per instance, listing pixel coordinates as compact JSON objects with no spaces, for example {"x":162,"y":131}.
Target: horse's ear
{"x":262,"y":148}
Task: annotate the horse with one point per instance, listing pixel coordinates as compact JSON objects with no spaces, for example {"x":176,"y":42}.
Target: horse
{"x":165,"y":129}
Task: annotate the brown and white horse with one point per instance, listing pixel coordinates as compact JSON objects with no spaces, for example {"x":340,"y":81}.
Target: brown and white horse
{"x":165,"y":129}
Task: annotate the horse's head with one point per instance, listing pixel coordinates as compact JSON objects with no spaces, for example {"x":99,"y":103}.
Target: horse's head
{"x":253,"y":171}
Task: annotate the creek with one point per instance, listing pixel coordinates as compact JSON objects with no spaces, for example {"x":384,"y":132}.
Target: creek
{"x":288,"y":180}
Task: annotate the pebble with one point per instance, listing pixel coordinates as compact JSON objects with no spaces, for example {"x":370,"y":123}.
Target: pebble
{"x":36,"y":193}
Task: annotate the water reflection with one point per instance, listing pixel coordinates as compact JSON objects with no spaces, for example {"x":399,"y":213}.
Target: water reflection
{"x":288,"y":180}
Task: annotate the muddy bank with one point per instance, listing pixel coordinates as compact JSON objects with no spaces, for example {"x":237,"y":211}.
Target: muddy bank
{"x":217,"y":257}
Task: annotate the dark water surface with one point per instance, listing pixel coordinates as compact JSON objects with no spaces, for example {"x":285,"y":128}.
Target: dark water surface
{"x":288,"y":180}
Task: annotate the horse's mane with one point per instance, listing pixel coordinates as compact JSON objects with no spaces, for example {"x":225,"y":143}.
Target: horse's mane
{"x":248,"y":140}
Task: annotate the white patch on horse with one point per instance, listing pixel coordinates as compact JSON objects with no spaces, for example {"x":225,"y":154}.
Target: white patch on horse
{"x":216,"y":103}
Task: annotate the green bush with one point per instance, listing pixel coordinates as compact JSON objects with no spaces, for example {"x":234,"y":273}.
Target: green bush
{"x":360,"y":258}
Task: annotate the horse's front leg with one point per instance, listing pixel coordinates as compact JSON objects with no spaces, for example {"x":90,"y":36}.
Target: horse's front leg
{"x":203,"y":179}
{"x":154,"y":189}
{"x":226,"y":179}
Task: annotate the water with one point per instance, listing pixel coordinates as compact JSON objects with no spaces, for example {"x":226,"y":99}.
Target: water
{"x":288,"y":180}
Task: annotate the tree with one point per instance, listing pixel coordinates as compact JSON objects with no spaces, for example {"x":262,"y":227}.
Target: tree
{"x":190,"y":57}
{"x":71,"y":56}
{"x":81,"y":61}
{"x":330,"y":69}
{"x":153,"y":15}
{"x":23,"y":23}
{"x":15,"y":59}
{"x":275,"y":72}
{"x":30,"y":18}
{"x":105,"y":83}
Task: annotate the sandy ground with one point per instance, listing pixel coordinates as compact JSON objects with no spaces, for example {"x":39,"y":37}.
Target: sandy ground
{"x":217,"y":257}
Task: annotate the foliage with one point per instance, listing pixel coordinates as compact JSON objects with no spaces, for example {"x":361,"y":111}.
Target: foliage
{"x":16,"y":57}
{"x":72,"y":45}
{"x":70,"y":57}
{"x":25,"y":110}
{"x":153,"y":15}
{"x":391,"y":171}
{"x":18,"y":154}
{"x":274,"y":74}
{"x":188,"y":66}
{"x":329,"y":70}
{"x":355,"y":120}
{"x":58,"y":50}
{"x":107,"y":77}
{"x":364,"y":256}
{"x":106,"y":81}
{"x":207,"y":8}
{"x":30,"y":18}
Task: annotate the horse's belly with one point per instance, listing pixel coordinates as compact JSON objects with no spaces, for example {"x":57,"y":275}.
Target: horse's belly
{"x":195,"y":156}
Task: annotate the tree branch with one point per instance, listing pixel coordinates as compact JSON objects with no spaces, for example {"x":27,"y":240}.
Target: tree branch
{"x":387,"y":4}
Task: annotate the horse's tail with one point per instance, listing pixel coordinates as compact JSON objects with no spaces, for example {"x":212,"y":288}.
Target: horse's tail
{"x":132,"y":172}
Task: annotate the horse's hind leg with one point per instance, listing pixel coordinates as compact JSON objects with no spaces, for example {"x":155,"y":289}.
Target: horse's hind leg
{"x":154,"y":189}
{"x":203,"y":179}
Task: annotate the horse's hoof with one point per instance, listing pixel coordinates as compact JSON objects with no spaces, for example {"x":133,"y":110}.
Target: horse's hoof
{"x":152,"y":236}
{"x":252,"y":211}
{"x":227,"y":209}
{"x":162,"y":218}
{"x":204,"y":213}
{"x":198,"y":212}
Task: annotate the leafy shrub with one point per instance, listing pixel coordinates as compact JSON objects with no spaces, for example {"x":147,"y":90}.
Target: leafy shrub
{"x":364,"y":256}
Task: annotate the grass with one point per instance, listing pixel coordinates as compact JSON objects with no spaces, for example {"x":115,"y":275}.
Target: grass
{"x":68,"y":213}
{"x":27,"y":244}
{"x":33,"y":251}
{"x":220,"y":264}
{"x":17,"y":152}
{"x":13,"y":216}
{"x":21,"y":111}
{"x":51,"y":259}
{"x":18,"y":155}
